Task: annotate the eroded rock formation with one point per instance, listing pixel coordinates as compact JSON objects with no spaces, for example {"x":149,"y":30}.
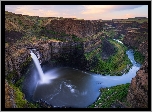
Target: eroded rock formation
{"x":9,"y":96}
{"x":18,"y":56}
{"x":138,"y":91}
{"x":107,"y":49}
{"x":80,"y":28}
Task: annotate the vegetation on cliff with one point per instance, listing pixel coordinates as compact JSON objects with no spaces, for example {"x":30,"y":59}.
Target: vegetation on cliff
{"x":117,"y":64}
{"x":19,"y":99}
{"x":138,"y":57}
{"x":110,"y":33}
{"x":14,"y":98}
{"x":111,"y":95}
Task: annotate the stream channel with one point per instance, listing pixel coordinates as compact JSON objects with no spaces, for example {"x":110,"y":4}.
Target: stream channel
{"x":70,"y":87}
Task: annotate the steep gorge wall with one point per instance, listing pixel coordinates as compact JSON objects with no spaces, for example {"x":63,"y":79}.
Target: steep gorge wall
{"x":18,"y":56}
{"x":80,"y":28}
{"x":138,"y":91}
{"x":18,"y":26}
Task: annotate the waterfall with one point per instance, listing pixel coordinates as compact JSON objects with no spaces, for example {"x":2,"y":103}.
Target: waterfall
{"x":43,"y":78}
{"x":37,"y":63}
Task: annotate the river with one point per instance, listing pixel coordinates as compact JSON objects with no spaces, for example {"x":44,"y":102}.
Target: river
{"x":71,"y":87}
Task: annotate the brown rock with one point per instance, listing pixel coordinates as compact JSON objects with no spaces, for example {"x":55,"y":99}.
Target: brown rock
{"x":138,"y":91}
{"x":9,"y":96}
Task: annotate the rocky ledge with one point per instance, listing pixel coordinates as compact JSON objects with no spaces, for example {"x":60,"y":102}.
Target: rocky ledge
{"x":9,"y":96}
{"x":138,"y":91}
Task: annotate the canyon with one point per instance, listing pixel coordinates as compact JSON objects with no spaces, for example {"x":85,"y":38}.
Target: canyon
{"x":60,"y":40}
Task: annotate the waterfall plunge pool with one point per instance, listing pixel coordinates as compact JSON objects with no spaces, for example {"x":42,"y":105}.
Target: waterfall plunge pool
{"x":69,"y":87}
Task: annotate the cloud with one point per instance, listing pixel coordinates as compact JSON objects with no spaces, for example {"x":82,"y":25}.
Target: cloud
{"x":67,"y":15}
{"x":128,"y":15}
{"x":42,"y":11}
{"x":25,"y":10}
{"x":94,"y":9}
{"x":126,"y":7}
{"x":100,"y":9}
{"x":91,"y":12}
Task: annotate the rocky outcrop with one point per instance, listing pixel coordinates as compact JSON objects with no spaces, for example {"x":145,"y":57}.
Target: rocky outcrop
{"x":80,"y":28}
{"x":138,"y":91}
{"x":92,"y":43}
{"x":137,"y":40}
{"x":12,"y":36}
{"x":17,"y":56}
{"x":9,"y":96}
{"x":107,"y":49}
{"x":15,"y":59}
{"x":33,"y":25}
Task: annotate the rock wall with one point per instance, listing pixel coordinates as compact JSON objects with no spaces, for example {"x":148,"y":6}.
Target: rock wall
{"x":107,"y":49}
{"x":80,"y":28}
{"x":9,"y":96}
{"x":18,"y":56}
{"x":138,"y":91}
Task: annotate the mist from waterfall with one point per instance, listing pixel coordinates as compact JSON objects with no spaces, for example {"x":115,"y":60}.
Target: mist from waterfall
{"x":43,"y":78}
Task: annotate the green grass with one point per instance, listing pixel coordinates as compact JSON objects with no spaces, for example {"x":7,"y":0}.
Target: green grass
{"x":19,"y":99}
{"x":116,"y":63}
{"x":11,"y":76}
{"x":110,"y":95}
{"x":92,"y":54}
{"x":138,"y":57}
{"x":110,"y":33}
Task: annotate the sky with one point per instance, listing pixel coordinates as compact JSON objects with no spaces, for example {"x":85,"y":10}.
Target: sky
{"x":87,"y":12}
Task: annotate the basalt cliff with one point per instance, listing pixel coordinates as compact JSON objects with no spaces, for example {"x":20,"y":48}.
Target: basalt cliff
{"x":60,"y":40}
{"x":138,"y":91}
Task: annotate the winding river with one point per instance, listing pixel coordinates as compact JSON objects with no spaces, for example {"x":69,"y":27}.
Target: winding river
{"x":71,"y":87}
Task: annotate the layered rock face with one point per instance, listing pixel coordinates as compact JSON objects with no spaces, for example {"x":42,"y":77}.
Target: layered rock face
{"x":93,"y":42}
{"x":18,"y":27}
{"x":9,"y":96}
{"x":138,"y":91}
{"x":12,"y":36}
{"x":107,"y":49}
{"x":17,"y":57}
{"x":80,"y":28}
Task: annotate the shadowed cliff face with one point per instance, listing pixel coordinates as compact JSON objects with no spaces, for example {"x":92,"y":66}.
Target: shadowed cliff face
{"x":57,"y":53}
{"x":138,"y":91}
{"x":17,"y":56}
{"x":9,"y":96}
{"x":12,"y":36}
{"x":16,"y":24}
{"x":107,"y":49}
{"x":80,"y":28}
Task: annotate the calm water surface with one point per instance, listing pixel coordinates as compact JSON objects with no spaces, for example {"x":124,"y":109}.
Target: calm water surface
{"x":71,"y":87}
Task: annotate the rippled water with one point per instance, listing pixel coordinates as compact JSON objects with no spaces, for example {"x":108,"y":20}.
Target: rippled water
{"x":71,"y":87}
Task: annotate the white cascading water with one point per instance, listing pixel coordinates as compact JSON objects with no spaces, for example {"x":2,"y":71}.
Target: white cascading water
{"x":43,"y":78}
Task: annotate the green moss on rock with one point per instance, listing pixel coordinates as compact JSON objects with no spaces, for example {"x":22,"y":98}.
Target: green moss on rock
{"x":111,"y":95}
{"x":19,"y":99}
{"x":117,"y":64}
{"x":11,"y":76}
{"x":138,"y":57}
